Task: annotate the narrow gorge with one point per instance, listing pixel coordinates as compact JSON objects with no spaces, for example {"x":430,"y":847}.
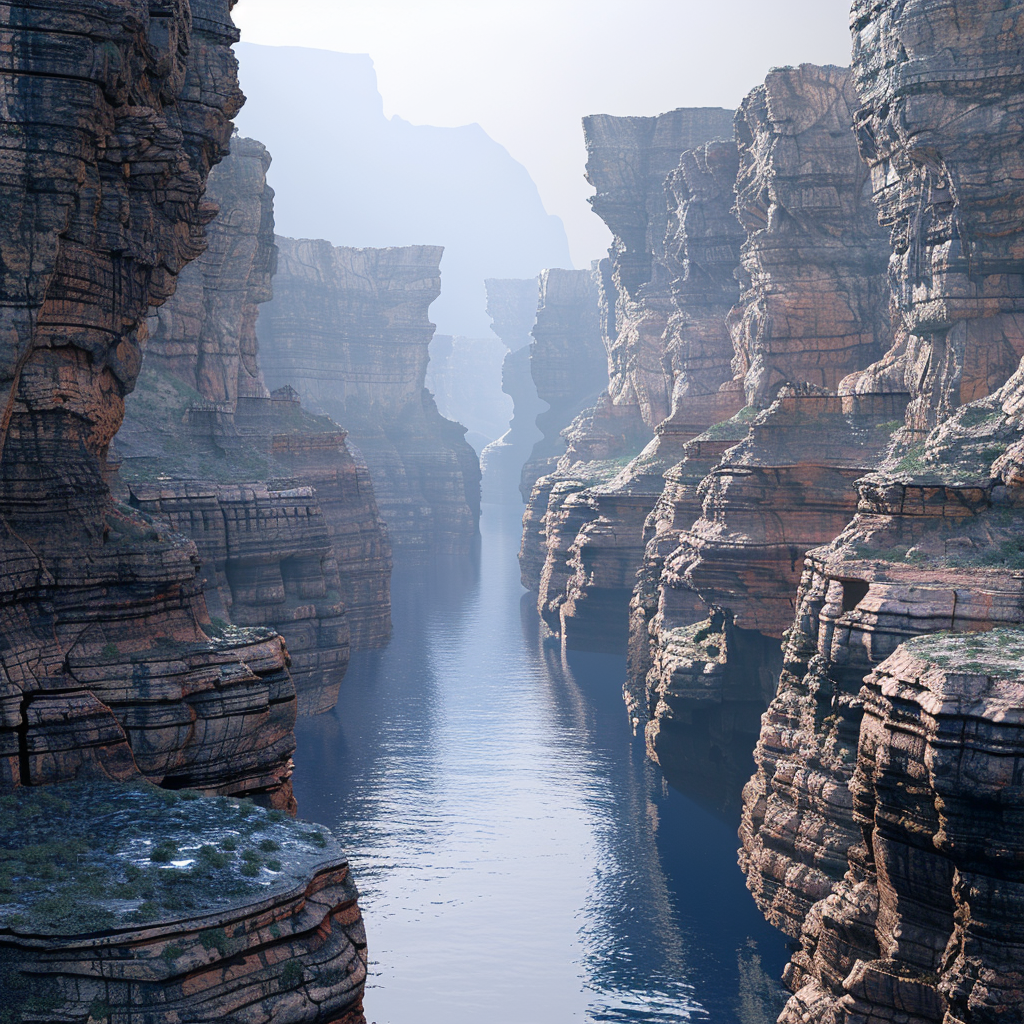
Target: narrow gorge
{"x":659,"y":653}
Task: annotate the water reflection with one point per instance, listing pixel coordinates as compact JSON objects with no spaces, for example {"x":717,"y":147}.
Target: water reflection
{"x":519,"y":858}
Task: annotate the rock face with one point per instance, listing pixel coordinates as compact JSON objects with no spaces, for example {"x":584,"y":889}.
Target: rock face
{"x":512,"y":307}
{"x":665,"y":290}
{"x":870,"y":828}
{"x":114,"y":115}
{"x":271,"y":495}
{"x":348,"y":329}
{"x":567,"y":362}
{"x":813,"y":309}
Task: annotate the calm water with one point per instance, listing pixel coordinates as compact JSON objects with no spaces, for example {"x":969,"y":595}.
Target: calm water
{"x":519,"y":859}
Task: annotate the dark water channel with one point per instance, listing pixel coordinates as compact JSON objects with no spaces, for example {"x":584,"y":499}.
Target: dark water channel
{"x":519,"y":859}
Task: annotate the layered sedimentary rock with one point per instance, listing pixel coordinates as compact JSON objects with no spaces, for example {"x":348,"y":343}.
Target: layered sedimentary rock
{"x":855,"y":821}
{"x":271,"y":494}
{"x":567,"y":363}
{"x":670,"y":353}
{"x":690,"y":293}
{"x":348,"y":329}
{"x":813,"y":308}
{"x":156,"y":906}
{"x":114,"y":115}
{"x":512,"y":307}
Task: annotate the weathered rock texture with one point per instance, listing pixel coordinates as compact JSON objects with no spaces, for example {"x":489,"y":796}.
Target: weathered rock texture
{"x":863,"y":826}
{"x":348,"y":329}
{"x":512,"y":307}
{"x":288,"y":534}
{"x":153,"y":907}
{"x":925,"y":925}
{"x":114,"y":114}
{"x":666,"y":193}
{"x":813,"y":309}
{"x":567,"y":363}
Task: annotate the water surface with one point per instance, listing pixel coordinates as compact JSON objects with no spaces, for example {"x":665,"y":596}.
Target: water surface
{"x":520,"y":861}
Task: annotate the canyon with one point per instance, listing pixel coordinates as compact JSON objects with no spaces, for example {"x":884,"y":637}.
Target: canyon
{"x":771,"y":452}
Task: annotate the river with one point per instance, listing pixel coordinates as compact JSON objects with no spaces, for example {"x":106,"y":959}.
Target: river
{"x":520,"y":860}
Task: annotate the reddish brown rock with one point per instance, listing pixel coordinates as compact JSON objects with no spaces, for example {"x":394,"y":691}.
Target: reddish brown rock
{"x":934,"y":543}
{"x":348,"y":329}
{"x":115,"y":114}
{"x":111,"y":931}
{"x":206,"y":447}
{"x":678,"y":311}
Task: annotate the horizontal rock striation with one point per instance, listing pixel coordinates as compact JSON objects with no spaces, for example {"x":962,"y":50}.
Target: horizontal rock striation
{"x":924,"y":925}
{"x":813,"y":309}
{"x":512,"y":307}
{"x":206,"y":447}
{"x":669,"y":282}
{"x":854,"y":832}
{"x":567,"y":363}
{"x":114,"y":115}
{"x":187,"y":909}
{"x":348,"y":329}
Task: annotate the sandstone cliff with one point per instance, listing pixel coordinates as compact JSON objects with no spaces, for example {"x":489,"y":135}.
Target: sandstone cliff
{"x":567,"y":363}
{"x":114,"y":115}
{"x":512,"y":307}
{"x":288,"y":534}
{"x":665,"y":291}
{"x":348,"y":329}
{"x":813,"y":308}
{"x":876,"y":778}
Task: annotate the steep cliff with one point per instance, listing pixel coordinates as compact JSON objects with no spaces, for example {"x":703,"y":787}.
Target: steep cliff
{"x":348,"y":329}
{"x":567,"y":363}
{"x":862,"y":826}
{"x":114,"y":115}
{"x":666,"y":289}
{"x":512,"y":307}
{"x":271,"y":495}
{"x":813,"y":308}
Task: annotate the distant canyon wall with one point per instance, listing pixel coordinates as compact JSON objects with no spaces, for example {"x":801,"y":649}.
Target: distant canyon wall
{"x":284,"y":517}
{"x":348,"y":329}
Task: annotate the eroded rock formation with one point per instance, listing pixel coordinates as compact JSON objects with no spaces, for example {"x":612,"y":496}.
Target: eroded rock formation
{"x":512,"y":307}
{"x":284,"y":518}
{"x":348,"y":329}
{"x":813,"y":308}
{"x":114,"y":115}
{"x":665,"y":290}
{"x":877,"y":778}
{"x":567,"y":363}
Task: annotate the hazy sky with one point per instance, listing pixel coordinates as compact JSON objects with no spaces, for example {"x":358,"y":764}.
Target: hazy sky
{"x":528,"y":70}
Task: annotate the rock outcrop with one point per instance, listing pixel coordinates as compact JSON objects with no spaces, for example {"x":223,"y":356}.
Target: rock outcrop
{"x":348,"y":329}
{"x":813,"y":309}
{"x":666,"y":194}
{"x":114,"y":114}
{"x":879,"y":824}
{"x":289,"y":536}
{"x":512,"y":307}
{"x":132,"y":903}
